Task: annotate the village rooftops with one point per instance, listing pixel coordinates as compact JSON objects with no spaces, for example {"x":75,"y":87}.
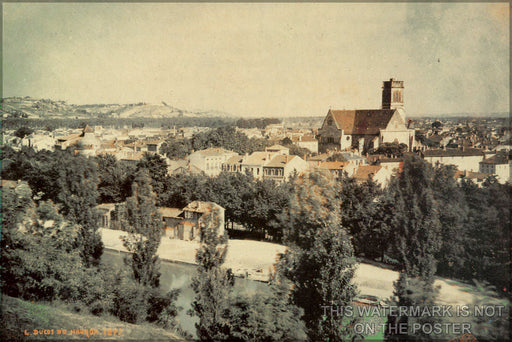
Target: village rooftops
{"x":453,"y":152}
{"x":471,"y":175}
{"x":364,"y":171}
{"x":280,"y":161}
{"x":335,"y":165}
{"x":500,"y":158}
{"x":276,"y":148}
{"x":213,"y":151}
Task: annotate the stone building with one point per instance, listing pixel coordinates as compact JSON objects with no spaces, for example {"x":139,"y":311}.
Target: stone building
{"x":364,"y":129}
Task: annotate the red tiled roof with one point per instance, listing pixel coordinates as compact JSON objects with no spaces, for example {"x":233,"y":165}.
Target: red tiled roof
{"x":362,"y":121}
{"x":364,"y":171}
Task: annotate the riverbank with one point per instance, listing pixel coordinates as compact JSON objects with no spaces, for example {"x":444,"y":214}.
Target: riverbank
{"x":247,"y":258}
{"x":254,"y":260}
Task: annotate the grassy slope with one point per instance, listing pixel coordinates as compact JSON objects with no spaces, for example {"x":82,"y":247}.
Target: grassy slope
{"x":19,"y":316}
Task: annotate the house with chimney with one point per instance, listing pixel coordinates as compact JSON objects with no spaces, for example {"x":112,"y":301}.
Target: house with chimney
{"x":365,"y":129}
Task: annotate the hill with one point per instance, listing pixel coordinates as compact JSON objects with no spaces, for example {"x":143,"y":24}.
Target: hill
{"x":20,"y":318}
{"x":28,"y":107}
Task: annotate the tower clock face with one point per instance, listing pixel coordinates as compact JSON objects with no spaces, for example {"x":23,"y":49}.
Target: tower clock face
{"x":329,"y":122}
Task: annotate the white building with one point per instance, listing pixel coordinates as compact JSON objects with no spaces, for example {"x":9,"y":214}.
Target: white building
{"x":210,"y":160}
{"x":498,"y":165}
{"x":464,"y":159}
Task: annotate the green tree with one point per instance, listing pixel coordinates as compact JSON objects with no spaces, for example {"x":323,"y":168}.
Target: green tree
{"x":416,"y":220}
{"x":77,"y":183}
{"x":413,"y":293}
{"x":452,"y":215}
{"x":22,"y":132}
{"x":212,"y":284}
{"x":357,"y":210}
{"x":142,"y":220}
{"x":266,"y":318}
{"x":157,"y":170}
{"x":320,"y":259}
{"x":115,"y":179}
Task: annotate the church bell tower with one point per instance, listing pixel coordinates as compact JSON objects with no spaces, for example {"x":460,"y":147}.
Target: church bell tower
{"x":393,"y":94}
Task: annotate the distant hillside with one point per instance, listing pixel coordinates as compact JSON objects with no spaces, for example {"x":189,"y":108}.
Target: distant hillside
{"x":20,"y":317}
{"x":28,"y":107}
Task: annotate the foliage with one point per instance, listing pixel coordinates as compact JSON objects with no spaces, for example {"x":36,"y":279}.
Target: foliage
{"x":212,"y":285}
{"x":22,"y":132}
{"x":416,"y":220}
{"x":413,"y":293}
{"x":449,"y":196}
{"x":266,"y":318}
{"x":77,"y":183}
{"x":256,"y":123}
{"x":358,"y":210}
{"x":142,"y":220}
{"x":228,"y":138}
{"x":487,"y":233}
{"x":115,"y":179}
{"x":38,"y":260}
{"x":497,"y":324}
{"x":176,"y":149}
{"x":157,"y":170}
{"x":319,"y":261}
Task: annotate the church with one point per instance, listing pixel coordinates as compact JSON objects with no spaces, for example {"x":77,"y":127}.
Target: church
{"x":364,"y":129}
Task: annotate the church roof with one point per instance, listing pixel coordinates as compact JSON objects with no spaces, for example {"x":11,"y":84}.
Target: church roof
{"x":362,"y":121}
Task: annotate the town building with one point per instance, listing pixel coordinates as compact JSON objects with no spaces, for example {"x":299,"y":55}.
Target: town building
{"x":274,"y":163}
{"x":364,"y":129}
{"x":184,"y":224}
{"x":498,"y":165}
{"x":210,"y":160}
{"x":464,"y":159}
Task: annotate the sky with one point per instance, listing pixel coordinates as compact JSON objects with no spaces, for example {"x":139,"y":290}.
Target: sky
{"x":260,"y":60}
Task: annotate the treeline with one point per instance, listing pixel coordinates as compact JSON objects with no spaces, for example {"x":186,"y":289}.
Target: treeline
{"x":74,"y":123}
{"x":461,"y":230}
{"x":256,"y":123}
{"x":226,"y":137}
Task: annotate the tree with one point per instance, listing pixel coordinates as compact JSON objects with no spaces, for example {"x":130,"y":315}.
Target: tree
{"x":22,"y":132}
{"x":413,"y":293}
{"x":144,"y":223}
{"x":416,"y":220}
{"x":176,"y":148}
{"x":77,"y":184}
{"x":266,"y":318}
{"x":452,"y":214}
{"x":115,"y":179}
{"x":320,"y":260}
{"x":212,"y":284}
{"x":157,"y":170}
{"x":358,"y":211}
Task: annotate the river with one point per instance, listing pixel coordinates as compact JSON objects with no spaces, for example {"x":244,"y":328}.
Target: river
{"x":179,"y":276}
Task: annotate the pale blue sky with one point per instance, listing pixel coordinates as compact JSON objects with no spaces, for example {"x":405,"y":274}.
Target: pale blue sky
{"x":260,"y":59}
